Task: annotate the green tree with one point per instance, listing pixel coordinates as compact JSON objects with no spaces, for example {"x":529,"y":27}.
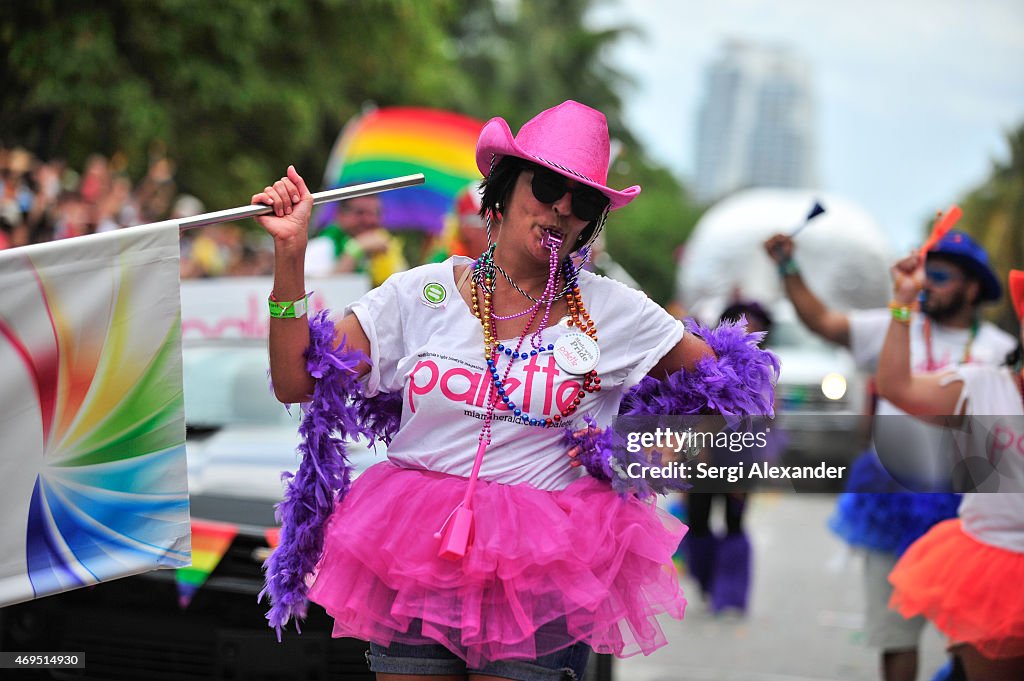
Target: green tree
{"x":645,"y":236}
{"x":234,"y":89}
{"x":537,"y":53}
{"x":994,"y":214}
{"x":527,"y":56}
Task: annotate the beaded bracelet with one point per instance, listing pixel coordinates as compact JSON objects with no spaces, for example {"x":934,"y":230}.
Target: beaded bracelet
{"x":900,"y":312}
{"x":288,"y":309}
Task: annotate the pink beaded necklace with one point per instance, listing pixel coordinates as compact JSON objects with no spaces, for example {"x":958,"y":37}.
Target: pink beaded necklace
{"x":456,"y":532}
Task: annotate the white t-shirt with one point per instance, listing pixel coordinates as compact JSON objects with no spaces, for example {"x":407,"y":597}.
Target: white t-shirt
{"x":905,"y":445}
{"x":426,"y":343}
{"x":320,"y":257}
{"x":868,"y":329}
{"x":997,"y":433}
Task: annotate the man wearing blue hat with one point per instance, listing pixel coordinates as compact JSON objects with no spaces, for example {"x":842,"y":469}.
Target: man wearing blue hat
{"x":958,"y":280}
{"x":957,"y":258}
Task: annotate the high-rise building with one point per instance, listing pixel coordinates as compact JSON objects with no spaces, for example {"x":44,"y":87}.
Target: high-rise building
{"x":756,"y":126}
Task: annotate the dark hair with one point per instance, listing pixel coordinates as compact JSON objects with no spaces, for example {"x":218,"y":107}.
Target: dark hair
{"x":750,"y":309}
{"x":498,"y":185}
{"x":497,"y":190}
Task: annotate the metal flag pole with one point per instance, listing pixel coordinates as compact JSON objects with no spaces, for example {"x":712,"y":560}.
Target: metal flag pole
{"x":339,"y":194}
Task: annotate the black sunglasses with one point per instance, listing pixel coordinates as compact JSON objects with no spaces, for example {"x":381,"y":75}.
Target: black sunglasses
{"x":548,"y":187}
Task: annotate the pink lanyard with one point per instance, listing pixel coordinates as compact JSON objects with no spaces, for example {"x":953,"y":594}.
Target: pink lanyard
{"x":456,"y":532}
{"x":458,"y":527}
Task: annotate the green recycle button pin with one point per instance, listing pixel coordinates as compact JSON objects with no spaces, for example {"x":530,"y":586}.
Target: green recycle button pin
{"x":434,"y":293}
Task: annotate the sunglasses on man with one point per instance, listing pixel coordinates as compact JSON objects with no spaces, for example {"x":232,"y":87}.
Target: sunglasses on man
{"x":549,"y":186}
{"x":940,"y":277}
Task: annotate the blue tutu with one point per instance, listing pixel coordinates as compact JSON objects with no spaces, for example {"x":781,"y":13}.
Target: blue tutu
{"x":874,"y":513}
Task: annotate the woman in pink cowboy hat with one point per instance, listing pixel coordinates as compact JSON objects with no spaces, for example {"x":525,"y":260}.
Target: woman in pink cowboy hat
{"x":478,"y":549}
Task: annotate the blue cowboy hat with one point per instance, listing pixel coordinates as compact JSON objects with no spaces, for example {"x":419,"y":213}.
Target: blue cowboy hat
{"x":966,"y":252}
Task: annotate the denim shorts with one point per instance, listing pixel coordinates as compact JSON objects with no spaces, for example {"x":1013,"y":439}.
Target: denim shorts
{"x":567,"y":664}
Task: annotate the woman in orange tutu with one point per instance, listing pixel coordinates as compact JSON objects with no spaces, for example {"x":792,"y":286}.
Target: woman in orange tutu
{"x":966,"y":574}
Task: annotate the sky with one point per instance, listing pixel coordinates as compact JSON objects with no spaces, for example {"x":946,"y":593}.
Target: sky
{"x":913,"y":97}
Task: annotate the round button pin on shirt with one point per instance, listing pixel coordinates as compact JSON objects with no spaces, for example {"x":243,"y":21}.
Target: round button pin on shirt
{"x":576,"y":353}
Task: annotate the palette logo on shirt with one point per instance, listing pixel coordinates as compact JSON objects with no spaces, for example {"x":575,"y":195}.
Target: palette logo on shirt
{"x":536,"y":385}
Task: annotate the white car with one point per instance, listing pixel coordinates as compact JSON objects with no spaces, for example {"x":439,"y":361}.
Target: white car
{"x":240,"y":438}
{"x":821,"y":396}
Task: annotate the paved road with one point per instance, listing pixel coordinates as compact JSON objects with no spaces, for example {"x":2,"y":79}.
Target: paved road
{"x":805,"y":618}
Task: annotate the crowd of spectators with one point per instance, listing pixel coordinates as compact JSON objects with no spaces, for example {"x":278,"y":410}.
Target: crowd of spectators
{"x":46,"y":200}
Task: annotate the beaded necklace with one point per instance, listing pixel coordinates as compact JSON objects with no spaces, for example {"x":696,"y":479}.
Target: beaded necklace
{"x":514,"y":285}
{"x":930,"y":364}
{"x":457,"y":529}
{"x":493,"y":350}
{"x":483,"y":276}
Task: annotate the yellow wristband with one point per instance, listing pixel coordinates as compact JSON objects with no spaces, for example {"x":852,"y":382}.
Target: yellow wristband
{"x":900,"y":312}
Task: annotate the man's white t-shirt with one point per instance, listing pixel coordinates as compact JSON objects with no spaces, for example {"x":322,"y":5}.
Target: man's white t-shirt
{"x":868,"y":329}
{"x":426,"y":343}
{"x":320,"y":257}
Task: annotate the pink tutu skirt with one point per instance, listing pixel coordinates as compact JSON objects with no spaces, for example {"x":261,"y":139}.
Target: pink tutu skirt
{"x":543,"y":570}
{"x":971,"y":591}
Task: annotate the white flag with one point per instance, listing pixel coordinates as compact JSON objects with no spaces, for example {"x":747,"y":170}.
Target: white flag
{"x":93,"y":481}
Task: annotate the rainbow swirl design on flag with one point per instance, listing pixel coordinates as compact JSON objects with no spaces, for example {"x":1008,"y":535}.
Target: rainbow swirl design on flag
{"x":396,"y":141}
{"x":92,"y":453}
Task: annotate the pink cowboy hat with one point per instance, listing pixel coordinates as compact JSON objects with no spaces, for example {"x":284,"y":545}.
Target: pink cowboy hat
{"x":571,"y":139}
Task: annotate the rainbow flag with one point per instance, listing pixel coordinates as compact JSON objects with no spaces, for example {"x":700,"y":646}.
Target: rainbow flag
{"x":210,"y":541}
{"x":396,"y":141}
{"x":93,"y":482}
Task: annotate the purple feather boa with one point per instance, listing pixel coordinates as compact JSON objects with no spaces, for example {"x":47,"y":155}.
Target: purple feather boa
{"x":598,"y":454}
{"x":738,"y":381}
{"x":338,"y":411}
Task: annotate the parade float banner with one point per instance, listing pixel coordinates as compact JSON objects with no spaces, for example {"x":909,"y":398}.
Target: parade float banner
{"x":394,"y":141}
{"x":230,"y":308}
{"x":93,"y":482}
